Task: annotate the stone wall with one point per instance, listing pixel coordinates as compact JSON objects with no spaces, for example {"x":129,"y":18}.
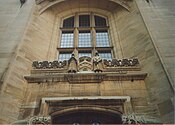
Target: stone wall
{"x":13,"y":23}
{"x":35,"y":43}
{"x":158,"y":16}
{"x":136,"y":42}
{"x":128,"y":33}
{"x":35,"y":92}
{"x":159,"y":19}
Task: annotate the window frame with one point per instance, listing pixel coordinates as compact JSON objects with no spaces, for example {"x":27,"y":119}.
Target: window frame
{"x":92,"y":28}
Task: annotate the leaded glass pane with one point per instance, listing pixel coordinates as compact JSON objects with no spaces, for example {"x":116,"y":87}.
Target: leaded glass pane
{"x":84,"y":39}
{"x":102,"y":39}
{"x":64,"y":56}
{"x":100,"y":21}
{"x":105,"y":55}
{"x":84,"y":20}
{"x":67,"y":39}
{"x":68,"y":23}
{"x":80,"y":54}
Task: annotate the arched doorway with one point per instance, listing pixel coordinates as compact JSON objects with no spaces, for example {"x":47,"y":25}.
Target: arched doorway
{"x":84,"y":116}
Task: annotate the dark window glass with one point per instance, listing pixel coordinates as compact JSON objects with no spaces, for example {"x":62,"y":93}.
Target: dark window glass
{"x":80,"y":54}
{"x":67,"y":39}
{"x":64,"y":56}
{"x":68,"y":23}
{"x":84,"y":39}
{"x":105,"y":55}
{"x":84,"y":20}
{"x":102,"y":39}
{"x":100,"y":21}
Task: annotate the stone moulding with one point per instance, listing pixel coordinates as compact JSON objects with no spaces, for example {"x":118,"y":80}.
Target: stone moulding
{"x":84,"y":77}
{"x":57,"y":105}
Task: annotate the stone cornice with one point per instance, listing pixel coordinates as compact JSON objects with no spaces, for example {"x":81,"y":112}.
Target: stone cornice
{"x":85,"y":77}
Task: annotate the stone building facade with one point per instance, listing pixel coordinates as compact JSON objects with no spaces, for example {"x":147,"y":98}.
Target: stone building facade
{"x":87,"y":61}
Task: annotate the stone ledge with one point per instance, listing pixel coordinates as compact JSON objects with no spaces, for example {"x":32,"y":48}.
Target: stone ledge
{"x":84,"y":77}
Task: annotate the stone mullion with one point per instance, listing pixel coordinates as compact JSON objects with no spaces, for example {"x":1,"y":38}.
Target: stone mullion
{"x":76,"y":32}
{"x":92,"y":20}
{"x":93,"y":32}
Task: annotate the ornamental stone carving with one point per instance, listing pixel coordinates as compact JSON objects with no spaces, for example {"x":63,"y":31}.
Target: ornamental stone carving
{"x":138,"y":119}
{"x":98,"y":64}
{"x":49,"y":65}
{"x":85,"y":64}
{"x":121,"y":63}
{"x":43,"y":120}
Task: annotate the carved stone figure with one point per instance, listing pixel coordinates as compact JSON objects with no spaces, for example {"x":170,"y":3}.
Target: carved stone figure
{"x":97,"y":63}
{"x":72,"y":64}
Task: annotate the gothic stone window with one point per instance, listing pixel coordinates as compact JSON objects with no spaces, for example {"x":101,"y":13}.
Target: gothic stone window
{"x":86,"y":33}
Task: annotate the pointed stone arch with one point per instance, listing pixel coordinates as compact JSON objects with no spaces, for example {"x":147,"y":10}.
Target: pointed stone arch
{"x":46,"y":4}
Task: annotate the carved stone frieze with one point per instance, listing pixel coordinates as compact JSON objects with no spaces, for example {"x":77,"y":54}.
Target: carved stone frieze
{"x":121,"y":62}
{"x":85,"y":70}
{"x":49,"y":65}
{"x":96,"y":62}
